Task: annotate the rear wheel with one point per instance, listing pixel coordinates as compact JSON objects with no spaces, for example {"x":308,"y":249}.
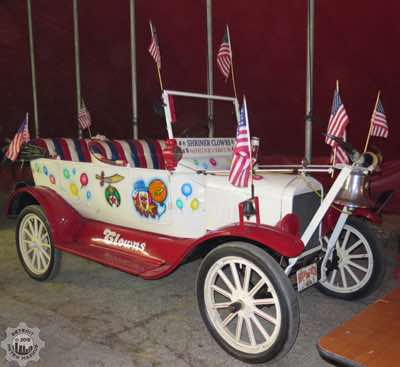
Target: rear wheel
{"x":356,"y":266}
{"x":34,"y":244}
{"x":247,"y":302}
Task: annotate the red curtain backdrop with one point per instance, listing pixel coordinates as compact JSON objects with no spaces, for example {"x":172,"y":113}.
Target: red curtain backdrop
{"x":355,"y":42}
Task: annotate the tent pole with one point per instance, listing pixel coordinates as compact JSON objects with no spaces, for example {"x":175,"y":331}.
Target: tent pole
{"x":210,"y":76}
{"x":133,"y":70}
{"x":33,"y":69}
{"x":77,"y":64}
{"x":310,"y":79}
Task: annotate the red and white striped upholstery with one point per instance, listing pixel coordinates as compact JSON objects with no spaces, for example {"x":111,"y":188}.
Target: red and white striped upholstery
{"x":137,"y":153}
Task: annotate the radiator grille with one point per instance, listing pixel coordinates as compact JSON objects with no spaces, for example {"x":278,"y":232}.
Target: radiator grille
{"x":305,"y":206}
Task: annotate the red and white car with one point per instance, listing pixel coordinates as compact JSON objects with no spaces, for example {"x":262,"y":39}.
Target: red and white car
{"x":148,"y":221}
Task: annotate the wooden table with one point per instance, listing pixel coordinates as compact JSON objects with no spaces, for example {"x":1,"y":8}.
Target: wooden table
{"x":371,"y":338}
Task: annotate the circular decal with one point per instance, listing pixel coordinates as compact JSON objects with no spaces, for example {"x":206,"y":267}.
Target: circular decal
{"x":158,"y":191}
{"x":84,"y":179}
{"x":194,"y":204}
{"x":73,"y":189}
{"x":52,"y":179}
{"x":113,"y":196}
{"x":66,"y":173}
{"x":179,"y":204}
{"x":186,"y":189}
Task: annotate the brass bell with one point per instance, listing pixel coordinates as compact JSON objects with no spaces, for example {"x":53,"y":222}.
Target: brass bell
{"x":355,"y":191}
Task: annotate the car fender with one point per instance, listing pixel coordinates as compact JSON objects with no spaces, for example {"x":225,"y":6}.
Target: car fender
{"x":273,"y":238}
{"x":64,"y":221}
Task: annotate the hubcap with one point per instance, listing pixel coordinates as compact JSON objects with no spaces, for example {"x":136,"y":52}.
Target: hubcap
{"x":34,"y":244}
{"x":242,"y":304}
{"x":350,"y":264}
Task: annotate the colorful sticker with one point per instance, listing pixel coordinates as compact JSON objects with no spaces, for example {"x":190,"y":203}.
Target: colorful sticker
{"x":52,"y":179}
{"x":109,"y":179}
{"x":84,"y":179}
{"x":112,"y":195}
{"x":187,"y":189}
{"x":194,"y":204}
{"x":149,"y":201}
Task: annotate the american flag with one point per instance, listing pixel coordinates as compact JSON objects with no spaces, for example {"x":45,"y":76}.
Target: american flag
{"x":84,"y":118}
{"x":338,"y":122}
{"x":22,"y":136}
{"x":154,"y":48}
{"x":240,"y":168}
{"x":380,"y":126}
{"x":341,"y":156}
{"x":224,"y":56}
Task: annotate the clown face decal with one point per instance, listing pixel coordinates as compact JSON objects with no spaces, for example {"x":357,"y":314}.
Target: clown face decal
{"x":149,"y":200}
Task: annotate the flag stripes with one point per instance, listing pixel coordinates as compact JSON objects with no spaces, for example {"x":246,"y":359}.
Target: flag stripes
{"x":22,"y":136}
{"x":380,"y":126}
{"x":224,"y":56}
{"x":84,"y":118}
{"x":240,"y":167}
{"x":154,"y":48}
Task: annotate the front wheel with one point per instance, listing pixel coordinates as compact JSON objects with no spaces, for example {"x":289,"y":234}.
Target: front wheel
{"x":35,"y":248}
{"x":356,"y":266}
{"x":247,"y":302}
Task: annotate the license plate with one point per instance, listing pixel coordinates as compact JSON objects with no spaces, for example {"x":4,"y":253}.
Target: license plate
{"x":306,"y":277}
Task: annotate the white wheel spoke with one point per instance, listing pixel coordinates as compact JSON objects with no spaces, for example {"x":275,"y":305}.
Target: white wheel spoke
{"x":353,"y":246}
{"x":229,"y":318}
{"x":256,"y":288}
{"x":246,"y":280}
{"x":235,"y":275}
{"x":222,"y":305}
{"x":44,"y":244}
{"x":222,"y":291}
{"x":34,"y":258}
{"x":358,"y":256}
{"x":345,"y":239}
{"x":32,"y":230}
{"x":265,"y":316}
{"x":356,"y":280}
{"x":36,"y":225}
{"x":259,"y":327}
{"x":44,"y":253}
{"x":250,"y":332}
{"x":333,"y":276}
{"x":29,"y":250}
{"x":239,"y":326}
{"x":357,"y":266}
{"x":263,"y":301}
{"x":226,"y":280}
{"x":28,"y":233}
{"x":343,"y":276}
{"x":42,"y":261}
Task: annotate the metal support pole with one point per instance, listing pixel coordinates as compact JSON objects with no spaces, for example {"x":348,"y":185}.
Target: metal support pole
{"x":133,"y":70}
{"x":210,"y":76}
{"x":33,"y":69}
{"x":310,"y":78}
{"x":77,"y":58}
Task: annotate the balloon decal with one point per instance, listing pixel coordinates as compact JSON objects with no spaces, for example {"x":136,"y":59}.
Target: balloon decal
{"x":194,"y":204}
{"x":66,"y":173}
{"x":73,"y":189}
{"x":84,"y":179}
{"x":179,"y":204}
{"x":52,"y":179}
{"x":213,"y":162}
{"x":45,"y":170}
{"x":187,"y":191}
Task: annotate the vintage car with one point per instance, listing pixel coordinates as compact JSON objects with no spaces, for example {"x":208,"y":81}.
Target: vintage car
{"x":147,"y":219}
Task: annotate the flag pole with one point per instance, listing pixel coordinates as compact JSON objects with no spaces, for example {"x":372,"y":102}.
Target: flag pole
{"x":250,"y":150}
{"x":372,"y":122}
{"x":334,"y":149}
{"x":158,"y":69}
{"x":233,"y":70}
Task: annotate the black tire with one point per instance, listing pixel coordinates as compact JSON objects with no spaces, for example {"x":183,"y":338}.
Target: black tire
{"x":279,"y":288}
{"x":373,"y":262}
{"x":53,"y":257}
